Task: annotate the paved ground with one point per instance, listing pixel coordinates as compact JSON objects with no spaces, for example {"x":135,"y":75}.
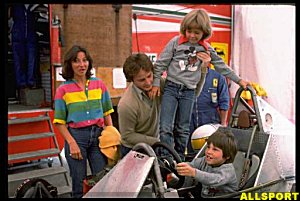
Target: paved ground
{"x":56,"y":180}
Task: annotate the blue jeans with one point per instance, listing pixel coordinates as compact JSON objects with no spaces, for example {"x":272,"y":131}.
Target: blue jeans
{"x":124,"y":150}
{"x":87,"y":140}
{"x":176,"y":100}
{"x":24,"y":48}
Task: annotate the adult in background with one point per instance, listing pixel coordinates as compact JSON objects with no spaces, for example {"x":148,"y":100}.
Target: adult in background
{"x":24,"y":44}
{"x":211,"y":106}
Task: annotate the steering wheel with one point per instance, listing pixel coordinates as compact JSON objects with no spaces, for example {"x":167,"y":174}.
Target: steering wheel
{"x":170,"y":168}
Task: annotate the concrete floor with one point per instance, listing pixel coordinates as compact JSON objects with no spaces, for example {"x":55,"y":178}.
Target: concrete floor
{"x":56,"y":180}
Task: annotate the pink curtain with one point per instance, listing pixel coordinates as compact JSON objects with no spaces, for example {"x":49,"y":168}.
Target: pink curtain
{"x":263,"y":52}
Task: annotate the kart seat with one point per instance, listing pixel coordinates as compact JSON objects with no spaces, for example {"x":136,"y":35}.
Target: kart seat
{"x":244,"y":120}
{"x":245,"y":165}
{"x":239,"y":164}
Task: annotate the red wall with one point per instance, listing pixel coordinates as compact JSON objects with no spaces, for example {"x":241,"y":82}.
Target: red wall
{"x":154,"y":42}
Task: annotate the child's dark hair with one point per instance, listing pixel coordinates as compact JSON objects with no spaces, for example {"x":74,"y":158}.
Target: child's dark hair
{"x":224,"y":139}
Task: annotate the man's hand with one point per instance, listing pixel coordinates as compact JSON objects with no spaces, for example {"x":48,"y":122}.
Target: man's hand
{"x":155,"y":91}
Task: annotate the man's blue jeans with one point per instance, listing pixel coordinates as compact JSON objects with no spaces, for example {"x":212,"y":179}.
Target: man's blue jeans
{"x":87,"y":140}
{"x":177,"y":100}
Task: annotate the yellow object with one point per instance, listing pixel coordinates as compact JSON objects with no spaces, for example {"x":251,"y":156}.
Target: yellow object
{"x":197,"y":144}
{"x":200,"y":135}
{"x":258,"y":89}
{"x":215,"y":82}
{"x":109,"y":142}
{"x":222,"y":50}
{"x":246,"y":95}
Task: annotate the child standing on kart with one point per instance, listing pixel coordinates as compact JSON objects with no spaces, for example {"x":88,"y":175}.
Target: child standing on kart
{"x":183,"y":75}
{"x":215,"y":170}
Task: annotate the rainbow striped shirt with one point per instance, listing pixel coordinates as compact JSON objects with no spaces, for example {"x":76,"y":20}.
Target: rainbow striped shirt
{"x":79,"y":108}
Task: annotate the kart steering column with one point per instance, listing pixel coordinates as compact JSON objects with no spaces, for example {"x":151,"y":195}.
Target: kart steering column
{"x":149,"y":151}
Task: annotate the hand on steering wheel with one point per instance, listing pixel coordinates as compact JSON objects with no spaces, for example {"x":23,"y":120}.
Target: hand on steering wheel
{"x":167,"y":165}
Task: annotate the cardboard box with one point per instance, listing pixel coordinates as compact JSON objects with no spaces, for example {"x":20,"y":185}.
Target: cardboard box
{"x":32,"y":97}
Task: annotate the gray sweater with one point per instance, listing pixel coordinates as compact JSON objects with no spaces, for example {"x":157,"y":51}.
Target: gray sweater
{"x":174,"y":53}
{"x":215,"y":180}
{"x":138,"y":117}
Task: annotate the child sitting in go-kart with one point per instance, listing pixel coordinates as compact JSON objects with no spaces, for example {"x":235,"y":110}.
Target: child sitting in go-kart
{"x":215,"y":170}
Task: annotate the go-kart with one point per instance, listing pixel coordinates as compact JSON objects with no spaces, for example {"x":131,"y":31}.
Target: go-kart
{"x":141,"y":173}
{"x":265,"y":162}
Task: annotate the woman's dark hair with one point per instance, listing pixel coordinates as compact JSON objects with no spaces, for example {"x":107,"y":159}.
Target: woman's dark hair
{"x":134,"y":63}
{"x":223,"y":138}
{"x":71,"y":55}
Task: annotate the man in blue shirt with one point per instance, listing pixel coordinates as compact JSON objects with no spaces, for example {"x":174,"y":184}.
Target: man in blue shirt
{"x":212,"y":105}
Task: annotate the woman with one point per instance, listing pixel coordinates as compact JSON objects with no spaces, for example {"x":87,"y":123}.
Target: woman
{"x":82,"y":108}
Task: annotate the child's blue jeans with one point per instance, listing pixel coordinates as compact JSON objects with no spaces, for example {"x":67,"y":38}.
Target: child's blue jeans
{"x":176,"y":110}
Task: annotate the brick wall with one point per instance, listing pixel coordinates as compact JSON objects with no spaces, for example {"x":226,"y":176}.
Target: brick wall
{"x":94,"y":27}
